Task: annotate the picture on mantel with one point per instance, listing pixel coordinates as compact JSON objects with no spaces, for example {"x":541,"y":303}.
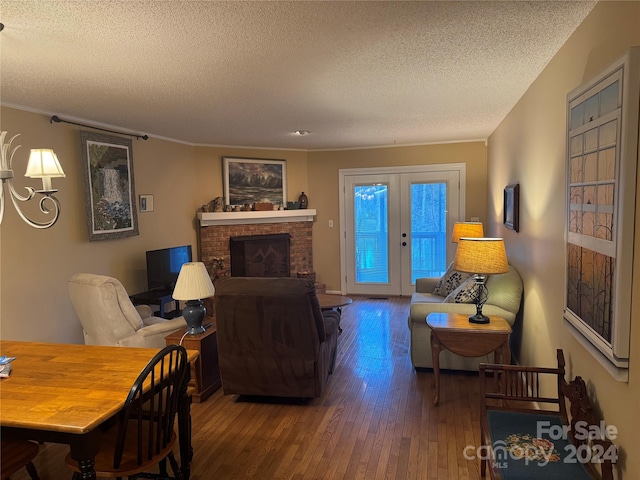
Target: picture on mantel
{"x":251,"y":180}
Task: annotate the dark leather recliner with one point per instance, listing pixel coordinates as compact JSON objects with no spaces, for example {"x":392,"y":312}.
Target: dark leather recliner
{"x":273,"y":338}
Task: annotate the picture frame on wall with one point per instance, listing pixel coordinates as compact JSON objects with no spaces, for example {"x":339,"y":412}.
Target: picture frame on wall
{"x":511,"y":212}
{"x":109,"y":186}
{"x":254,"y":180}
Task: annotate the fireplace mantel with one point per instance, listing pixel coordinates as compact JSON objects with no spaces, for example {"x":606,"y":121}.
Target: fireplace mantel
{"x":207,"y":219}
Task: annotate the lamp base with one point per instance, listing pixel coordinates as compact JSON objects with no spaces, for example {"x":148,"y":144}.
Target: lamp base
{"x":193,"y":314}
{"x":479,"y":318}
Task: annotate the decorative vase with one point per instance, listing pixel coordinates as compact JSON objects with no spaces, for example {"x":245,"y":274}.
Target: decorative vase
{"x":303,"y":200}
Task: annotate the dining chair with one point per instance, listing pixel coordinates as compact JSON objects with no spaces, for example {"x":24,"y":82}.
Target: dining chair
{"x":15,"y":454}
{"x":143,"y":436}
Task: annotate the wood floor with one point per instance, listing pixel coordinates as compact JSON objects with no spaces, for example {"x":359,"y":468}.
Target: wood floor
{"x":376,"y":419}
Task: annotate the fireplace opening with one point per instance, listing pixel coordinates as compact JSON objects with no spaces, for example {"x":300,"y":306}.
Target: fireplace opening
{"x":260,"y":255}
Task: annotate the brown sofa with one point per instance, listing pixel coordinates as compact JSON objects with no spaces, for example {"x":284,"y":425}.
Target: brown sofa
{"x":273,"y":339}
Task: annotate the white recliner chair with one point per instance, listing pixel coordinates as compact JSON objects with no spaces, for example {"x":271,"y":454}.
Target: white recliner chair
{"x":108,"y":316}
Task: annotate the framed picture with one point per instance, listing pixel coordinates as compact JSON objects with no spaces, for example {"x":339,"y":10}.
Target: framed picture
{"x":254,"y":180}
{"x":109,"y":186}
{"x":146,"y":203}
{"x":512,"y":207}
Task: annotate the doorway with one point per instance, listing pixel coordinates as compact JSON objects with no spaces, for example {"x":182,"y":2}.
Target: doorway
{"x":396,"y":224}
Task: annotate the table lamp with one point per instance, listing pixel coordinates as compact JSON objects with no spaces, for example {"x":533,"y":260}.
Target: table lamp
{"x":467,"y":230}
{"x":193,"y":285}
{"x":481,"y":256}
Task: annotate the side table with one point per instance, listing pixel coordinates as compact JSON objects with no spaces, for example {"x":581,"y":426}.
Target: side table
{"x":455,"y":333}
{"x":157,"y":297}
{"x":205,"y":371}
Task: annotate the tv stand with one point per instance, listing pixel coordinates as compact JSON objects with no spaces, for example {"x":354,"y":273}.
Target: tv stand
{"x":160,"y":296}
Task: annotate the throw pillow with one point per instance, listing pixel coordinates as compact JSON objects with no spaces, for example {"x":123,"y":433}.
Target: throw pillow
{"x":451,"y":280}
{"x":465,"y":293}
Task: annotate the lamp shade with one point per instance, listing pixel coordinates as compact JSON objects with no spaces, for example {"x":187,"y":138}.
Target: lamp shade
{"x":481,"y":255}
{"x":43,"y":163}
{"x":194,"y":282}
{"x":466,"y":229}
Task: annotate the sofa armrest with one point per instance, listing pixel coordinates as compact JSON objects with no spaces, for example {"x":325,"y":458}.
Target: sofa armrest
{"x":162,"y":327}
{"x":426,"y":284}
{"x":154,"y":335}
{"x":144,"y":311}
{"x":148,"y":321}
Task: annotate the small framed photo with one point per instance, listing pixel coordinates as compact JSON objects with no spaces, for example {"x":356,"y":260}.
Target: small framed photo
{"x":512,"y":207}
{"x":146,"y":203}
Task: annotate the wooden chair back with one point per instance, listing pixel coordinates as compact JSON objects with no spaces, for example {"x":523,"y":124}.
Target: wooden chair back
{"x":520,"y":388}
{"x":152,"y":405}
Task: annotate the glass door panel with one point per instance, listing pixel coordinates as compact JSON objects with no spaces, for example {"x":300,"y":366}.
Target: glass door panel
{"x":371,"y":229}
{"x":428,"y":230}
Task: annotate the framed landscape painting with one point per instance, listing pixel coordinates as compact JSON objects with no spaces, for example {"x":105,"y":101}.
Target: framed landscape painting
{"x":254,"y":180}
{"x":109,"y":186}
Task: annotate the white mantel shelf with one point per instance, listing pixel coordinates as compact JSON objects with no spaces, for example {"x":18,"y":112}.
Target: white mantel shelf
{"x":207,"y":219}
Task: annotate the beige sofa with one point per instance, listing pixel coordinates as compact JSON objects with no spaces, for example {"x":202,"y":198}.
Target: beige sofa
{"x":505,"y":294}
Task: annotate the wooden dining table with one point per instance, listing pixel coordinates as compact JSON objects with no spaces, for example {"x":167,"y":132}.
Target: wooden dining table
{"x":63,"y":393}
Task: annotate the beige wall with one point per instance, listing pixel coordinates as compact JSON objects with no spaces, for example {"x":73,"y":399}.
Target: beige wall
{"x":529,"y":147}
{"x":323,"y":190}
{"x":36,"y":264}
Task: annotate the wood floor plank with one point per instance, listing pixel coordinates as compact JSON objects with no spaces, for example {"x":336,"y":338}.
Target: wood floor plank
{"x":375,"y":420}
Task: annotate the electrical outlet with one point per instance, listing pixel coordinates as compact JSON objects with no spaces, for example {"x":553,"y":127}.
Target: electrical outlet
{"x":475,"y":219}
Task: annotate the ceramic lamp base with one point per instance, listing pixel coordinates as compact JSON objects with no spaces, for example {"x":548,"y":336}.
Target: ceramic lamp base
{"x":193,"y":314}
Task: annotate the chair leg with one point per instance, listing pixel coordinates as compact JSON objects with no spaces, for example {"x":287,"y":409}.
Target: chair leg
{"x":33,"y":473}
{"x":175,"y":467}
{"x":163,"y":467}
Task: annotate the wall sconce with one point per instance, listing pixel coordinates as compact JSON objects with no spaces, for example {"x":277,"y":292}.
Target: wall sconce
{"x":44,"y":164}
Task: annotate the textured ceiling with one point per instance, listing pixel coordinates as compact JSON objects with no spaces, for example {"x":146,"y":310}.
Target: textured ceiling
{"x":354,"y":74}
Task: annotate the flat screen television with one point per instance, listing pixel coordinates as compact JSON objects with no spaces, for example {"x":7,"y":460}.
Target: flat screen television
{"x":163,"y":266}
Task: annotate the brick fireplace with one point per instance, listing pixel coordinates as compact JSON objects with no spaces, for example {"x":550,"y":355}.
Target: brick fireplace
{"x":214,"y":241}
{"x":261,"y":255}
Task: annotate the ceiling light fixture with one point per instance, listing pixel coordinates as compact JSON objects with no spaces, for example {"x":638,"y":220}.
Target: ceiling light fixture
{"x":301,"y":133}
{"x":43,"y":163}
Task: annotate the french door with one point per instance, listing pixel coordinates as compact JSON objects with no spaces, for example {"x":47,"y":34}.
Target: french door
{"x":396,"y":225}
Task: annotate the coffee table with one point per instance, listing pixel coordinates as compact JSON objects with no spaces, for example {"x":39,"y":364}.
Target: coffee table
{"x":454,"y":332}
{"x":328,"y":301}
